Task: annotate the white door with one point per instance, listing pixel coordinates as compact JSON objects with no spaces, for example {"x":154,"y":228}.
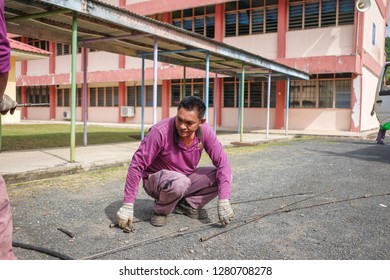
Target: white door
{"x":382,"y":98}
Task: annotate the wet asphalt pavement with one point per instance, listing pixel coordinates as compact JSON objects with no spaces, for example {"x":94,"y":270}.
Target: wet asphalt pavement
{"x":277,"y":195}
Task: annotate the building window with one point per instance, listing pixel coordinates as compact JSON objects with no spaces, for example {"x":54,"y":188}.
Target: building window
{"x":79,"y":96}
{"x":92,"y":97}
{"x":305,"y":14}
{"x":229,"y":92}
{"x":311,"y":14}
{"x":44,"y":45}
{"x":64,"y":97}
{"x":19,"y":95}
{"x":148,"y":96}
{"x":38,"y":94}
{"x":200,"y":20}
{"x":60,"y":97}
{"x":134,"y":96}
{"x":255,"y":93}
{"x":103,"y":97}
{"x":247,"y":17}
{"x":175,"y":93}
{"x":131,"y":93}
{"x":100,"y":97}
{"x":328,"y":13}
{"x":191,"y":87}
{"x":63,"y":49}
{"x":331,"y":91}
{"x":343,"y":94}
{"x":325,"y":93}
{"x":346,"y":12}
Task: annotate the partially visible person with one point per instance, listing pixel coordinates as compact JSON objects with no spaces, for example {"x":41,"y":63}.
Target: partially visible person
{"x":6,"y":225}
{"x":167,"y":161}
{"x":6,"y":105}
{"x":381,"y":132}
{"x":381,"y":136}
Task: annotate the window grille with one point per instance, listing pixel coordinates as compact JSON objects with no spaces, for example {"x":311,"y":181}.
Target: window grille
{"x":200,"y":20}
{"x":325,"y":94}
{"x":320,"y":13}
{"x":247,"y":17}
{"x":331,"y":91}
{"x":255,"y":93}
{"x":195,"y":87}
{"x":44,"y":45}
{"x":148,"y":96}
{"x":38,"y":94}
{"x":343,"y":94}
{"x":63,"y":49}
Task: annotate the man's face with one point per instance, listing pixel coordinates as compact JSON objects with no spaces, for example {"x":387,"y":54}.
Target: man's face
{"x":187,"y":122}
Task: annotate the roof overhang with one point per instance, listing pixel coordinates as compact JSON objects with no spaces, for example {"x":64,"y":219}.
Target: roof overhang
{"x":108,"y":28}
{"x":21,"y":51}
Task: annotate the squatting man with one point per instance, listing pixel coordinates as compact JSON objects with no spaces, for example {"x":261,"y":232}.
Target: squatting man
{"x":167,"y":162}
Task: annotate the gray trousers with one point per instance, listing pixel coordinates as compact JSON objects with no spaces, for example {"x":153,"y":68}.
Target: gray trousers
{"x":169,"y":187}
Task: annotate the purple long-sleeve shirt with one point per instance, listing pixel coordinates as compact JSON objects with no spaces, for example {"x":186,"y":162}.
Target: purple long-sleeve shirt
{"x":162,"y":149}
{"x":4,"y":43}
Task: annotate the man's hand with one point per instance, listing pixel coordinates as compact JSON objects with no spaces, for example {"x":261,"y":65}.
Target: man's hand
{"x":225,"y":211}
{"x":7,"y":104}
{"x":125,"y":215}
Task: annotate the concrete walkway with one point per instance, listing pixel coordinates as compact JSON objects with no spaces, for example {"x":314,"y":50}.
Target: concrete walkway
{"x":45,"y":163}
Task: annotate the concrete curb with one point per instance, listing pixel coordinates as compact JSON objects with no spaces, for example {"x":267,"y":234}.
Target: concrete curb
{"x":44,"y":173}
{"x":67,"y":169}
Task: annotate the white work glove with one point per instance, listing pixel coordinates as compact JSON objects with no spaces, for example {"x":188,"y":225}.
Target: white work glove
{"x":7,"y":104}
{"x":125,"y":215}
{"x":225,"y":211}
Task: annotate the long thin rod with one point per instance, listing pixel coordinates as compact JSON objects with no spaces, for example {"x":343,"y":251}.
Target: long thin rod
{"x":73,"y":80}
{"x":239,"y":106}
{"x":33,"y":105}
{"x":268,"y":104}
{"x":207,"y":93}
{"x":215,"y":102}
{"x":287,"y":103}
{"x":184,"y":82}
{"x":155,"y":62}
{"x":133,"y":245}
{"x":85,"y":102}
{"x":256,"y":218}
{"x":143,"y":99}
{"x":242,"y":102}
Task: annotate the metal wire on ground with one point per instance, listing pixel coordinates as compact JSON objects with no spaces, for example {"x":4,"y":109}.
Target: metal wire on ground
{"x":282,"y":210}
{"x":256,"y":218}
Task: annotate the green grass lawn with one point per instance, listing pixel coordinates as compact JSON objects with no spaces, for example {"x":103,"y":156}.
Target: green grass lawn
{"x":18,"y":137}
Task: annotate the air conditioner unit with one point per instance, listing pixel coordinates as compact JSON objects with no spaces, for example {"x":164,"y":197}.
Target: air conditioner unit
{"x":127,"y":111}
{"x":66,"y":115}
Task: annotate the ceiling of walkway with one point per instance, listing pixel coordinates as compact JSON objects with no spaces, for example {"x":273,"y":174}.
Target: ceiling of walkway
{"x":108,"y":28}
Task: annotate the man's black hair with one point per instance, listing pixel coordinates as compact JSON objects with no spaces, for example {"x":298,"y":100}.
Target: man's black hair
{"x":191,"y":103}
